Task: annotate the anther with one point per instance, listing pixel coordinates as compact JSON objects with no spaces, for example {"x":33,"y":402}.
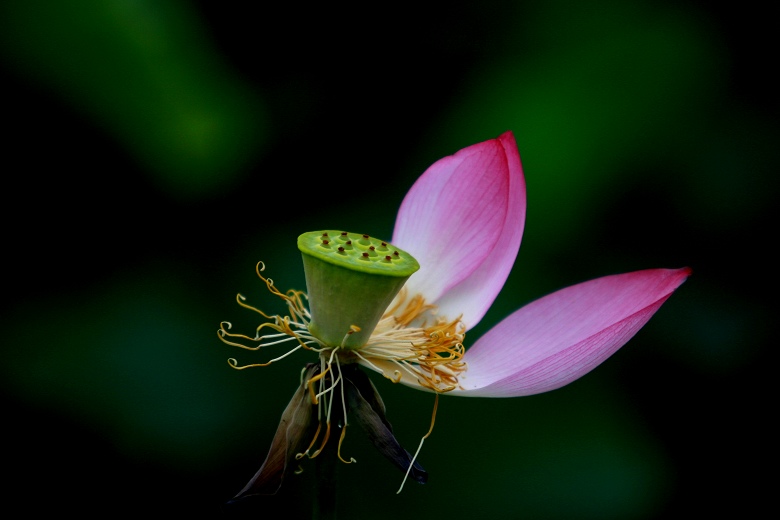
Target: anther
{"x":338,"y":450}
{"x":324,"y":441}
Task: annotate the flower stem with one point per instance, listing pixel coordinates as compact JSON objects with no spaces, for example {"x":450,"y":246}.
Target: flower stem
{"x":325,"y":484}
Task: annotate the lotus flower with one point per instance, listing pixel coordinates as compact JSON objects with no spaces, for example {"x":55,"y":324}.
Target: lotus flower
{"x":403,"y":308}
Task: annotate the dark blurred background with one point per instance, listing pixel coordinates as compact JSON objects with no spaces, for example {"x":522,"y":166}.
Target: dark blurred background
{"x":155,"y":151}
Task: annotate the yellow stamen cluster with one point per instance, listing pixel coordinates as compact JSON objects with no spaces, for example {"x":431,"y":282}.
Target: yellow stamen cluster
{"x":431,"y":353}
{"x":327,"y":383}
{"x":287,"y":328}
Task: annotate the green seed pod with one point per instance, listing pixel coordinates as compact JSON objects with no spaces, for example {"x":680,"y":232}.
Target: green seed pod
{"x":351,"y":280}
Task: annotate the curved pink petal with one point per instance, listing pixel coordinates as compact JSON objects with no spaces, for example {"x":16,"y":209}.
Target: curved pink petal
{"x":473,"y":296}
{"x":564,"y":335}
{"x":463,"y":220}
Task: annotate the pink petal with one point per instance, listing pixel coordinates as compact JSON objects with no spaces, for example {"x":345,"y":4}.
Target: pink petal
{"x":463,"y":220}
{"x":564,"y":335}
